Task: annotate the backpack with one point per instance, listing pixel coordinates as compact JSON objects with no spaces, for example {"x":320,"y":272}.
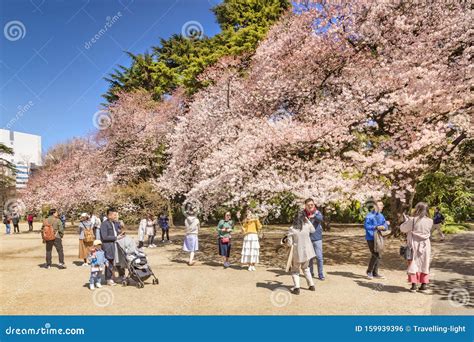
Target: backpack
{"x":48,"y":233}
{"x":5,"y":221}
{"x":88,"y":234}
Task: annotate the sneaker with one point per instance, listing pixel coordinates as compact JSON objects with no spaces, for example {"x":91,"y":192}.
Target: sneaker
{"x":250,"y":267}
{"x":48,"y":267}
{"x":91,"y":286}
{"x":162,"y":241}
{"x":154,"y":245}
{"x":370,"y":276}
{"x":295,"y":291}
{"x":253,"y":268}
{"x":379,"y":276}
{"x":413,"y":288}
{"x":85,"y":264}
{"x":110,"y":282}
{"x":98,"y":285}
{"x":322,"y":278}
{"x":62,"y":266}
{"x":226,"y":264}
{"x":169,"y":241}
{"x":312,"y":288}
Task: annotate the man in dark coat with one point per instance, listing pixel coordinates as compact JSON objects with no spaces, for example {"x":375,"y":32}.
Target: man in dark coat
{"x":109,"y":234}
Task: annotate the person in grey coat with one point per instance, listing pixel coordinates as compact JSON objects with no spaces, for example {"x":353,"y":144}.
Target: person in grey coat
{"x":302,"y":250}
{"x":110,"y":232}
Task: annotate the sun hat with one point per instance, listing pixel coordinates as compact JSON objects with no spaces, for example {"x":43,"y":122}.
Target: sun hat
{"x":97,"y":242}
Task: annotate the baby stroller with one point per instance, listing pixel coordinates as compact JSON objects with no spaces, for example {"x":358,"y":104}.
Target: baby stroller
{"x":136,"y":263}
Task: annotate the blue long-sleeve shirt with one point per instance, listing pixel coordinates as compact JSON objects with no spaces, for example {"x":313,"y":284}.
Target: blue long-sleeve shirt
{"x":316,"y":220}
{"x":371,"y":222}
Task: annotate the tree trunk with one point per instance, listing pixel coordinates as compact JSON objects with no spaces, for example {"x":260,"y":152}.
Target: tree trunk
{"x":397,"y":208}
{"x":170,"y":213}
{"x":326,"y":219}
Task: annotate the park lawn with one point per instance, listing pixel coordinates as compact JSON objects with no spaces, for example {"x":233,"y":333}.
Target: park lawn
{"x":455,"y":228}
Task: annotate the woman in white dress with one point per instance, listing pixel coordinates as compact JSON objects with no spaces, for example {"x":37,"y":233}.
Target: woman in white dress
{"x":191,"y":242}
{"x":251,"y":246}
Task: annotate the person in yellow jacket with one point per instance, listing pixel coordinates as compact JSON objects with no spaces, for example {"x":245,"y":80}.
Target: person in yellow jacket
{"x":251,"y":246}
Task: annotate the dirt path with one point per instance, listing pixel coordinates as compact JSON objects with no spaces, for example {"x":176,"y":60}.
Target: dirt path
{"x":207,"y":288}
{"x":453,"y":276}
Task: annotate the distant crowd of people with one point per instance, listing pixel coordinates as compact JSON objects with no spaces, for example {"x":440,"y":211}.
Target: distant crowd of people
{"x":98,"y":238}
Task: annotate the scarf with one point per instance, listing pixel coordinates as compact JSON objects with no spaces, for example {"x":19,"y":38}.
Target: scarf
{"x":309,"y":213}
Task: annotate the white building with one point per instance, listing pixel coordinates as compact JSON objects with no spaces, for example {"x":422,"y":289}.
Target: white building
{"x":27,"y":153}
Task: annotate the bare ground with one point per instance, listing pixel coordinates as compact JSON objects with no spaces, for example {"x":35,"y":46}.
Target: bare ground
{"x":208,"y":289}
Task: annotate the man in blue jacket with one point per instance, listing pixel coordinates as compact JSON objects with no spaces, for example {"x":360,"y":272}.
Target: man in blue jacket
{"x":316,"y":218}
{"x":374,"y":221}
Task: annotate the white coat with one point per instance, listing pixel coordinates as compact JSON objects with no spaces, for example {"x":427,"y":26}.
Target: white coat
{"x":303,"y":249}
{"x":418,"y":237}
{"x":141,"y":230}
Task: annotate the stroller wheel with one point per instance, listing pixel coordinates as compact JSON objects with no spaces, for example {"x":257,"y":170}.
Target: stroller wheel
{"x":155,"y":281}
{"x":140,"y":285}
{"x":125,"y":282}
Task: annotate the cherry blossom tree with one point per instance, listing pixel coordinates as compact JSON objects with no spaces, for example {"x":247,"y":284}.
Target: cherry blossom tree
{"x":71,"y":183}
{"x":340,"y":102}
{"x":133,"y":136}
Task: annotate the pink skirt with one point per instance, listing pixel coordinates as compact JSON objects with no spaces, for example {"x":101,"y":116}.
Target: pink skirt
{"x":419,"y":278}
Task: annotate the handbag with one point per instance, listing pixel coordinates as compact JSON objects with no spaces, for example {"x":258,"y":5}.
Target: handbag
{"x":406,"y":251}
{"x":225,"y":240}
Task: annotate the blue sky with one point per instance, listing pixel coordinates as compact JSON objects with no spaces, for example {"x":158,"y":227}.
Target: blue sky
{"x":50,"y":83}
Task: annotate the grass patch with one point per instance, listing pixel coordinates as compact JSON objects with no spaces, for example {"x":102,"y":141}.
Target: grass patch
{"x":455,"y":228}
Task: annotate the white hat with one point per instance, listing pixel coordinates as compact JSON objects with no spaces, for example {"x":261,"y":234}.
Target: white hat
{"x":97,"y":242}
{"x":84,"y":215}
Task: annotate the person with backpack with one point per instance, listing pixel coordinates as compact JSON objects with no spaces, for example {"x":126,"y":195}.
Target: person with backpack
{"x":86,"y":237}
{"x":16,"y":223}
{"x":52,"y":233}
{"x":7,"y":223}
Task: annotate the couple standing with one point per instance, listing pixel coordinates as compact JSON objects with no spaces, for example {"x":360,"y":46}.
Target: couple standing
{"x":306,"y":238}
